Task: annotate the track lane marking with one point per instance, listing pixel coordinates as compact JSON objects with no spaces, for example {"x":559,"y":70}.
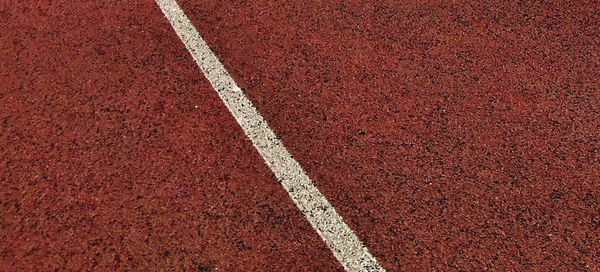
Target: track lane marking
{"x":344,"y":244}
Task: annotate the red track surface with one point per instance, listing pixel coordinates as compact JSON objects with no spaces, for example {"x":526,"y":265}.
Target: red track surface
{"x":449,"y":136}
{"x":107,"y":164}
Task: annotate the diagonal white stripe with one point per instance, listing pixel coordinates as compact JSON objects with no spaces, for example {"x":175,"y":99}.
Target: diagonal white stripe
{"x":346,"y":247}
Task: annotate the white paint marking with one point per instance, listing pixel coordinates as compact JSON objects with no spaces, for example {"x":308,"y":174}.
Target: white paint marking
{"x":344,"y":244}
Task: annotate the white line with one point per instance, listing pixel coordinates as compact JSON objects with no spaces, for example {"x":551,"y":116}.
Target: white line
{"x":346,"y":247}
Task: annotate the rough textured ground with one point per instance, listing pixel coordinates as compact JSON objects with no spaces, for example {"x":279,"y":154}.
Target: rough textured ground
{"x":449,"y":135}
{"x":117,"y":155}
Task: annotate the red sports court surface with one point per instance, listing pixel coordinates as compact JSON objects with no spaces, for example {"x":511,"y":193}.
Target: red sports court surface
{"x":450,"y":136}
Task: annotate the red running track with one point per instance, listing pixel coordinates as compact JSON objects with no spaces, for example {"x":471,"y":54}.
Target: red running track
{"x":460,"y":136}
{"x":118,"y":155}
{"x":449,"y":136}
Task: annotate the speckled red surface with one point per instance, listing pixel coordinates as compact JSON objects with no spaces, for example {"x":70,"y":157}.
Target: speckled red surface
{"x":116,"y":154}
{"x":449,"y":135}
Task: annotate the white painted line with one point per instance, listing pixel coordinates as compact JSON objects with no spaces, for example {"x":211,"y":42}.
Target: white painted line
{"x":346,"y":247}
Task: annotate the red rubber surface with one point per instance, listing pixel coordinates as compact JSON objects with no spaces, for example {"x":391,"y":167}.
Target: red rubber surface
{"x":106,"y":163}
{"x":450,"y":136}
